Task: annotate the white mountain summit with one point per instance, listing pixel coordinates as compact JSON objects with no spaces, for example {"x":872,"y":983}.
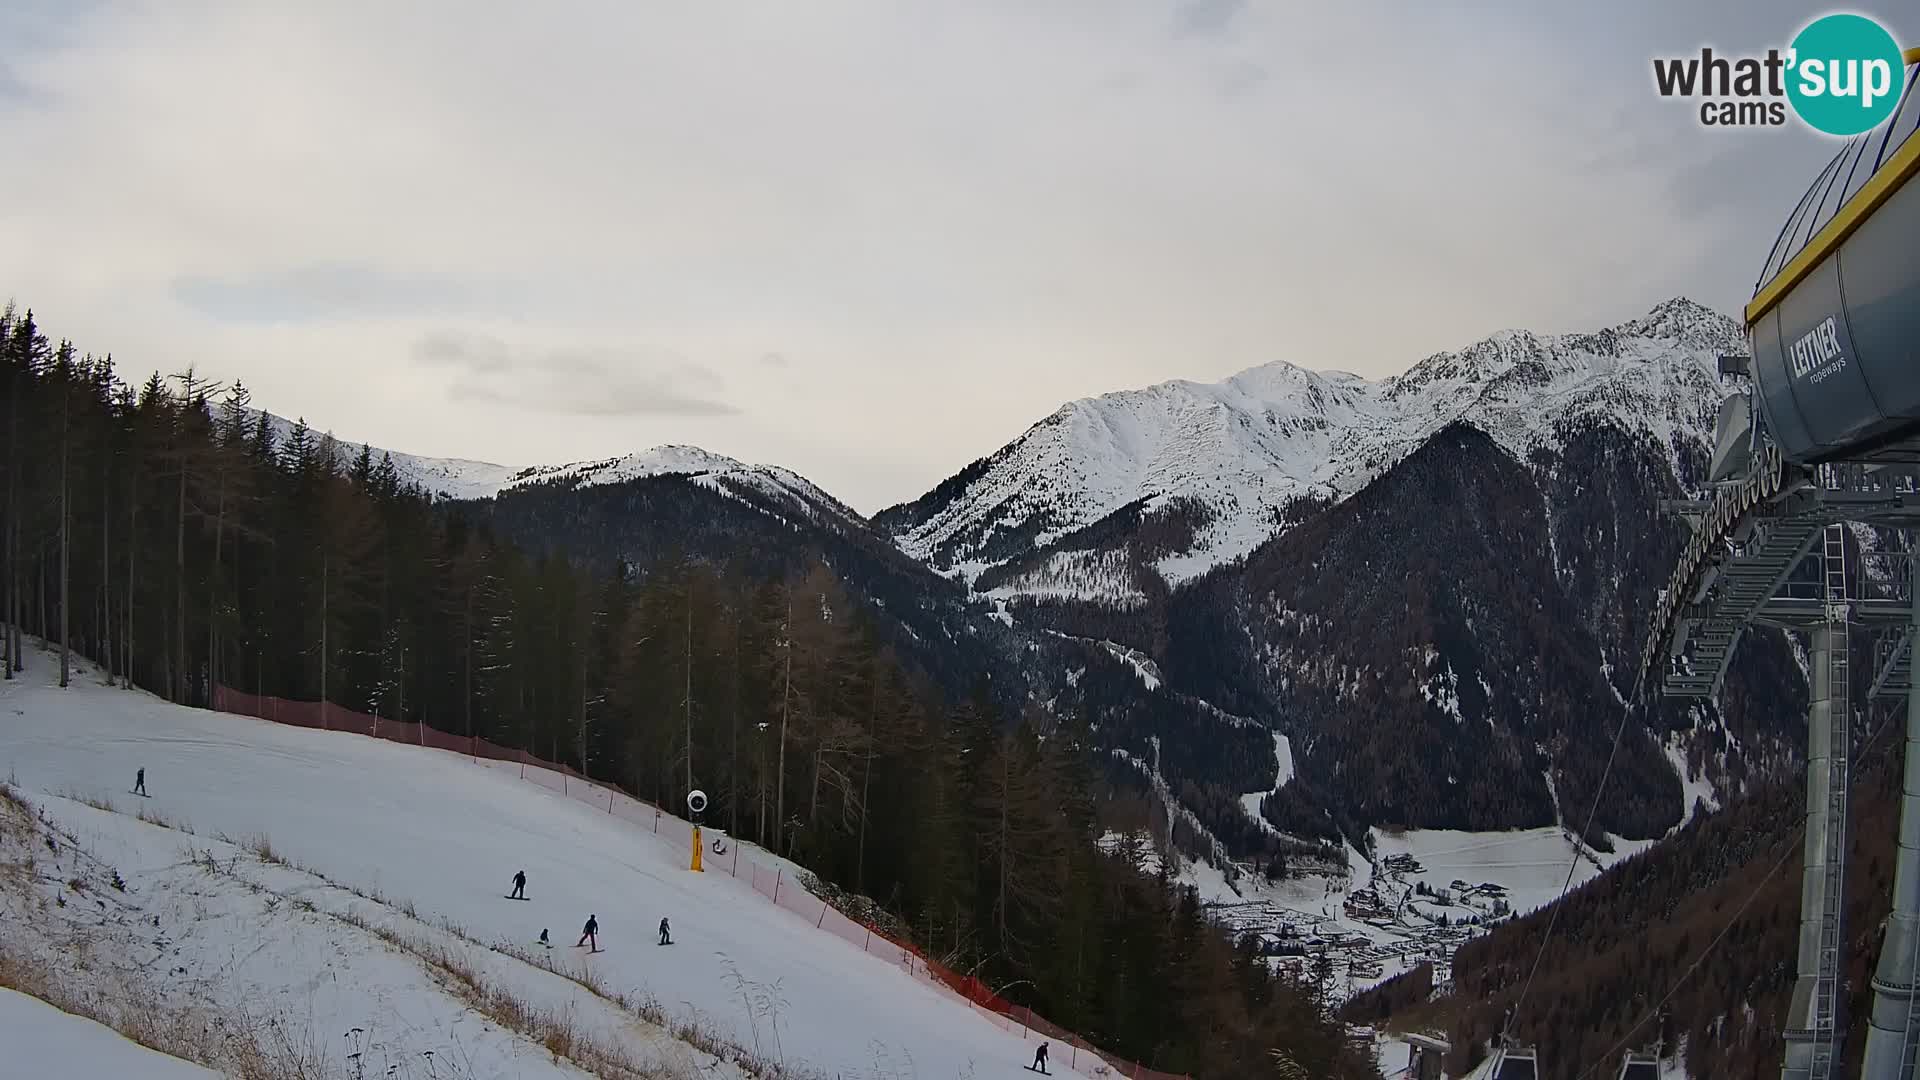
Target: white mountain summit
{"x":1231,"y":455}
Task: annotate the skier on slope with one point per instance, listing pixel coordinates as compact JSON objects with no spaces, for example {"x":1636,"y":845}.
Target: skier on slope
{"x":519,"y":886}
{"x":666,"y":935}
{"x":1040,"y":1060}
{"x":140,"y":780}
{"x":590,"y":933}
{"x":543,"y":938}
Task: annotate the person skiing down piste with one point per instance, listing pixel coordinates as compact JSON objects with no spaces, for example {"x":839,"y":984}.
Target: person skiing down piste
{"x":590,"y":933}
{"x":666,"y":936}
{"x":519,"y":886}
{"x":140,"y":780}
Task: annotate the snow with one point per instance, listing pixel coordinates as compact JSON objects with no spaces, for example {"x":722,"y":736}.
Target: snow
{"x":1105,"y":576}
{"x":41,"y":1040}
{"x":1243,"y":448}
{"x":1693,"y":789}
{"x":458,"y":478}
{"x":388,"y":831}
{"x":1531,"y":864}
{"x":1283,"y":759}
{"x":1142,"y":664}
{"x":206,"y":926}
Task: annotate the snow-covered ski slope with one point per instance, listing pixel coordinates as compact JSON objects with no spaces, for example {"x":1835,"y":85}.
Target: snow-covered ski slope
{"x":444,"y":834}
{"x":40,"y":1040}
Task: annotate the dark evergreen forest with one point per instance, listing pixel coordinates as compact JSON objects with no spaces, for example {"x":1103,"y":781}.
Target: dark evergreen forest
{"x":1692,"y":941}
{"x":166,"y":531}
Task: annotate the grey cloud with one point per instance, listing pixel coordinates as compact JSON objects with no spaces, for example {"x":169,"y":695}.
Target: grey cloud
{"x":1203,"y":17}
{"x":573,"y":381}
{"x":991,"y":207}
{"x":1242,"y":79}
{"x":323,"y":291}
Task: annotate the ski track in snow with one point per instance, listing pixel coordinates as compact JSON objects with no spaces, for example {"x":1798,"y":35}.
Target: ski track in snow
{"x":444,"y":834}
{"x":1283,"y":760}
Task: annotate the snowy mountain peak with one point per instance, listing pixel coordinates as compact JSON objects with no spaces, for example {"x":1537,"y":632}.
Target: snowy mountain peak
{"x":1228,"y":459}
{"x":659,"y":461}
{"x":1688,"y":324}
{"x":459,"y":478}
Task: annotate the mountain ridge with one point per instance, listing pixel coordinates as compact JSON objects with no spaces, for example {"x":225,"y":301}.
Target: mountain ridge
{"x":1245,"y":447}
{"x":1133,"y":559}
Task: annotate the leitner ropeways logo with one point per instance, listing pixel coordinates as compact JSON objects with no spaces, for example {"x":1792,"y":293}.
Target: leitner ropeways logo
{"x":1842,"y":75}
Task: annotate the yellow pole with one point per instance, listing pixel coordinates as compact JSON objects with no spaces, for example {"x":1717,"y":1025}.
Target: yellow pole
{"x":696,"y":849}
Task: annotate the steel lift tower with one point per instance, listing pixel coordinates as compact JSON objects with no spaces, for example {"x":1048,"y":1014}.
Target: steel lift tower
{"x":1825,"y":438}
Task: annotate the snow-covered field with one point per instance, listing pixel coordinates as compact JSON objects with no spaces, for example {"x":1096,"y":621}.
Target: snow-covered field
{"x":1396,"y":928}
{"x":420,"y":845}
{"x":1531,"y":864}
{"x":40,"y":1040}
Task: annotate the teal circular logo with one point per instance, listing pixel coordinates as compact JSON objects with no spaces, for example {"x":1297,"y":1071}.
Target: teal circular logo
{"x":1844,"y":74}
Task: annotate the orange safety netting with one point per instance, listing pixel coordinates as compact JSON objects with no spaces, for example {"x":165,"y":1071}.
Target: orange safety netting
{"x":773,"y":882}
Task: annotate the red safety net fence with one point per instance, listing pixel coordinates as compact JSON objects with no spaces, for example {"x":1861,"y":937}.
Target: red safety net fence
{"x":774,"y":881}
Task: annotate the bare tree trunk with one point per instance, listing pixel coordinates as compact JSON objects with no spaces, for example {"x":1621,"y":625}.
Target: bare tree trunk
{"x":11,"y":541}
{"x":179,"y":682}
{"x":213,"y":582}
{"x":689,"y":682}
{"x":733,"y":751}
{"x":1006,"y":762}
{"x":66,"y":520}
{"x":786,"y":696}
{"x":866,"y":785}
{"x":107,"y":651}
{"x":323,"y":639}
{"x":469,"y":686}
{"x":133,"y":522}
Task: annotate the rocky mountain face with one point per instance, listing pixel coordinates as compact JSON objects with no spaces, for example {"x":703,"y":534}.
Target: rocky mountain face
{"x":1431,"y":585}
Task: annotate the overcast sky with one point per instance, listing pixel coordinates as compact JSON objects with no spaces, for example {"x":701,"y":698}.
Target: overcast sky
{"x":868,"y":241}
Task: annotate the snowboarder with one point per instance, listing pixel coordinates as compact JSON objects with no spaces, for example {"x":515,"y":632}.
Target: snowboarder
{"x":666,"y":936}
{"x":140,"y":780}
{"x":590,"y":934}
{"x":519,"y":886}
{"x":1040,"y":1060}
{"x":543,"y":938}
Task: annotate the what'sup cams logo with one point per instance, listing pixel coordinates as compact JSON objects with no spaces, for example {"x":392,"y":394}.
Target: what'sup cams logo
{"x":1842,"y":75}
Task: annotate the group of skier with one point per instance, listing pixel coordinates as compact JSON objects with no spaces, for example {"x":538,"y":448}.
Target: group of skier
{"x":590,"y":933}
